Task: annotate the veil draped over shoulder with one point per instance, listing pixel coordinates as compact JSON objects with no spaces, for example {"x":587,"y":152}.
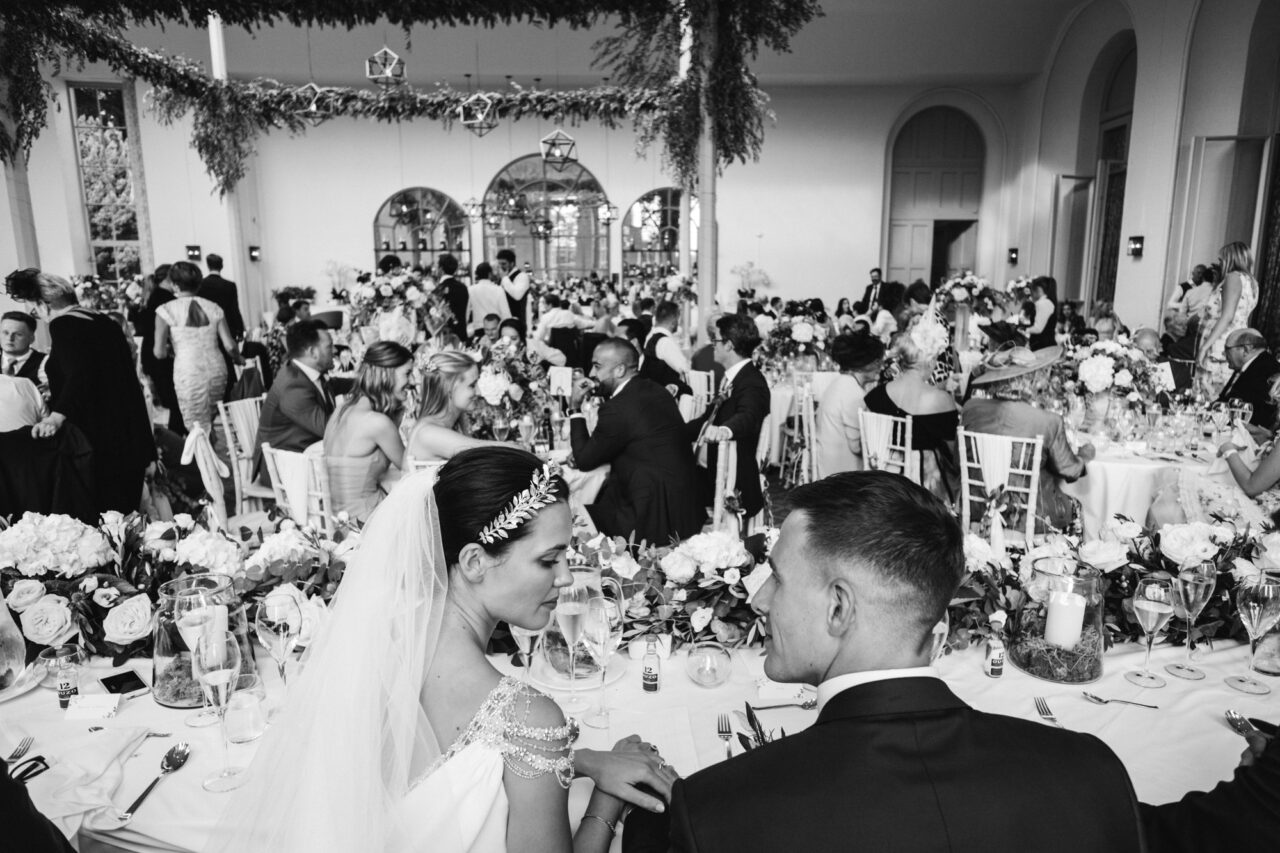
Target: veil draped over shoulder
{"x":336,"y":763}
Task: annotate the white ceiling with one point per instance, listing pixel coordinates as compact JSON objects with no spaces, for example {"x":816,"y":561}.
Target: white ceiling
{"x":857,"y":42}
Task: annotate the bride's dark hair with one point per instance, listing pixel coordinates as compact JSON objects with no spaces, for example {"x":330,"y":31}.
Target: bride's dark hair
{"x":475,"y":486}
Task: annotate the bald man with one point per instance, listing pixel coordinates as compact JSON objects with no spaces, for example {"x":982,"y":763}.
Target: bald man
{"x":1253,"y":369}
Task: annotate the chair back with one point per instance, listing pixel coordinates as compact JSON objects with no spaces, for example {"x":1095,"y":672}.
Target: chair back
{"x":701,"y":382}
{"x":988,"y":463}
{"x":412,"y":466}
{"x":300,"y":482}
{"x":240,"y":427}
{"x":726,"y":480}
{"x":886,"y":444}
{"x":807,"y":407}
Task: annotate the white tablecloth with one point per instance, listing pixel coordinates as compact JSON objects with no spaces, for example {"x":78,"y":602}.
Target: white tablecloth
{"x":1122,"y":483}
{"x":1181,"y":747}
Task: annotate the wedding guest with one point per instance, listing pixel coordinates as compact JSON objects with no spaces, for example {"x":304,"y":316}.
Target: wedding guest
{"x":1191,"y":294}
{"x":844,"y":316}
{"x":560,"y":315}
{"x":606,"y":317}
{"x":362,"y":439}
{"x":1105,"y":323}
{"x":195,"y":327}
{"x":455,"y":294}
{"x":871,"y":296}
{"x":651,"y":493}
{"x":484,"y":298}
{"x":25,"y":828}
{"x":864,"y":568}
{"x":764,"y":323}
{"x":662,"y":361}
{"x":738,"y":412}
{"x":1179,"y":346}
{"x":883,"y":322}
{"x":18,"y":357}
{"x":704,"y":359}
{"x":513,"y":330}
{"x":489,"y":332}
{"x":20,"y":403}
{"x":448,"y":387}
{"x":94,"y":386}
{"x":1147,"y":342}
{"x":1070,"y":324}
{"x":1044,"y":293}
{"x":156,"y":291}
{"x":1253,"y":368}
{"x":515,"y":284}
{"x":277,"y":347}
{"x":644,"y":314}
{"x":1015,"y":379}
{"x":838,"y":431}
{"x":221,"y":292}
{"x":300,"y":401}
{"x":933,"y":412}
{"x":390,"y":265}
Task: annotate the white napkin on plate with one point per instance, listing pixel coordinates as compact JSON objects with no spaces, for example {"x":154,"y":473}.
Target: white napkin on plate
{"x":84,"y":772}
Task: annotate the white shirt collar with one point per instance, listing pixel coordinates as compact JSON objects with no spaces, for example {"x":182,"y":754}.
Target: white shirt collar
{"x":1251,"y":360}
{"x":17,"y":360}
{"x":841,"y":683}
{"x":311,"y":372}
{"x":731,"y":372}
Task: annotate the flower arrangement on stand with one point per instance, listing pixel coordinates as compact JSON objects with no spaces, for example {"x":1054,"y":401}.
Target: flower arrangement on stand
{"x":510,"y":386}
{"x":123,"y":295}
{"x":792,"y":337}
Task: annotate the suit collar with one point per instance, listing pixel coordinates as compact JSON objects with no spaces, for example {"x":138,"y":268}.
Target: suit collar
{"x":890,"y":698}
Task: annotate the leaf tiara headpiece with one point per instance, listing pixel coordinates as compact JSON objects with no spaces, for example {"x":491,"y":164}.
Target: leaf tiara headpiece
{"x":524,"y":506}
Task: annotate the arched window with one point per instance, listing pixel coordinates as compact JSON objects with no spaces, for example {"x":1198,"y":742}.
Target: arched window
{"x":651,"y":232}
{"x":418,"y":224}
{"x":549,"y":217}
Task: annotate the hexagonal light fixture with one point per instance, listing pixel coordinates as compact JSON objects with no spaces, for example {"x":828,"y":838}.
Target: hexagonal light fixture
{"x":313,"y":114}
{"x":559,"y":149}
{"x":385,"y":68}
{"x":477,"y":114}
{"x":493,"y":220}
{"x":474,"y":209}
{"x":540,"y":226}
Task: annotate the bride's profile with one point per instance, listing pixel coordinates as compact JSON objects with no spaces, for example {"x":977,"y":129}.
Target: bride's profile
{"x":400,"y":734}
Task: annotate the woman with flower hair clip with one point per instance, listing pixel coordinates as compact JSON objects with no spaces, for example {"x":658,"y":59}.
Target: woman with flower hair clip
{"x":448,"y":387}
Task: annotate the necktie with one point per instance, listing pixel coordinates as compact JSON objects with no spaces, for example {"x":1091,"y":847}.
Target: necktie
{"x":874,"y":300}
{"x":11,"y":369}
{"x":324,"y":390}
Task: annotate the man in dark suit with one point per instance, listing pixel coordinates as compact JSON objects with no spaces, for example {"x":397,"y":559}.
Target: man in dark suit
{"x":871,"y":296}
{"x":299,"y":402}
{"x":651,"y":489}
{"x":1252,"y":369}
{"x":738,"y":411}
{"x":865,"y":566}
{"x":222,"y":292}
{"x":17,"y":357}
{"x":455,"y":296}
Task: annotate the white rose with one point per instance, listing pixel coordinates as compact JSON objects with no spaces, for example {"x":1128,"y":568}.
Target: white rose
{"x":625,"y":566}
{"x":678,"y":567}
{"x":128,"y":621}
{"x":1187,"y":544}
{"x":1268,"y":556}
{"x":184,"y":521}
{"x":386,"y":291}
{"x":1123,"y":378}
{"x":1123,"y":529}
{"x":168,"y":555}
{"x":680,"y":595}
{"x":801,"y":333}
{"x":977,"y":552}
{"x":1104,"y":556}
{"x":113,"y":524}
{"x":106,"y":597}
{"x":959,"y":294}
{"x":88,"y":585}
{"x":48,"y":622}
{"x":1097,"y":373}
{"x":25,"y":593}
{"x":732,"y":576}
{"x":367,"y":292}
{"x":758,"y":578}
{"x":492,"y":386}
{"x":700,"y":618}
{"x":158,"y":535}
{"x":1245,"y":572}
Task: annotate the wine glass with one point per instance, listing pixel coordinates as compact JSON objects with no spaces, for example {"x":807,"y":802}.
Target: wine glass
{"x":501,"y":429}
{"x":215,"y":662}
{"x":1192,"y":589}
{"x":527,"y":641}
{"x":603,"y":633}
{"x":1152,"y":607}
{"x":1259,"y":607}
{"x":192,"y":614}
{"x":279,"y":624}
{"x":1220,"y":416}
{"x":1075,"y":413}
{"x":571,"y":613}
{"x":526,"y":431}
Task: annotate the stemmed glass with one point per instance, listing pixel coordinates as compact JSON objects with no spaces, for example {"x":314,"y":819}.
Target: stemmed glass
{"x":603,"y":633}
{"x":1192,"y":589}
{"x":571,"y":614}
{"x":1152,"y":609}
{"x":192,"y":613}
{"x":526,"y":431}
{"x":279,"y":624}
{"x":1259,"y":607}
{"x":527,"y":641}
{"x":215,"y":661}
{"x":501,"y":428}
{"x":1220,"y":417}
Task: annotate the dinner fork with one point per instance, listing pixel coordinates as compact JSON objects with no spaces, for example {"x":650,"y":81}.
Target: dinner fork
{"x":21,"y":749}
{"x":1042,"y":708}
{"x":725,"y":732}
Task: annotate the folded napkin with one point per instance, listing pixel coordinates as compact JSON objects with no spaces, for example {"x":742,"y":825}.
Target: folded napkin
{"x":772,"y":692}
{"x":1241,"y":438}
{"x":84,"y":773}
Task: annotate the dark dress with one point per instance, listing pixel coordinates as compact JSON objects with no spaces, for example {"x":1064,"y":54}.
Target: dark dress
{"x":932,"y":436}
{"x":92,"y":382}
{"x":159,"y":369}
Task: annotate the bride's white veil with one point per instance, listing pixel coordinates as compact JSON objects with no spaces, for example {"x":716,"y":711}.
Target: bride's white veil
{"x":334,"y":766}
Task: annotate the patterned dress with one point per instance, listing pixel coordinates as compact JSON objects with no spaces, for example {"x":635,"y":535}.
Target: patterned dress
{"x":199,"y":370}
{"x":1219,"y":370}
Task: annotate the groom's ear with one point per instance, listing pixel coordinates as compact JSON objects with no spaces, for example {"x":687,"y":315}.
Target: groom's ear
{"x":473,"y":561}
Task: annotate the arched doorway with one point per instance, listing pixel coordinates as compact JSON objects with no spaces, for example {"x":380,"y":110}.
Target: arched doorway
{"x":651,"y":232}
{"x":549,"y":217}
{"x":1114,"y":124}
{"x":417,"y":223}
{"x":936,"y":196}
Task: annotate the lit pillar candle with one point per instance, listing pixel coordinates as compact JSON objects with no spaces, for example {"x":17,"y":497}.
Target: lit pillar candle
{"x":1065,"y":620}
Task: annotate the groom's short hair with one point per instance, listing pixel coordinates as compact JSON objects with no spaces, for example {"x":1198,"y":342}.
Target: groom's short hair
{"x":889,"y":527}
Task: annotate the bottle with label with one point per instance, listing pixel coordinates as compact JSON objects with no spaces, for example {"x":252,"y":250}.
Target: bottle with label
{"x":68,"y":682}
{"x":651,"y":667}
{"x":993,"y":663}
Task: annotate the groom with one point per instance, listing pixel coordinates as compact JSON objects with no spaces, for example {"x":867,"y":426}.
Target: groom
{"x":864,"y":567}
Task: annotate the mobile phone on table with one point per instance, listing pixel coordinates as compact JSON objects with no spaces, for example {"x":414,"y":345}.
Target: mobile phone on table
{"x":127,"y":684}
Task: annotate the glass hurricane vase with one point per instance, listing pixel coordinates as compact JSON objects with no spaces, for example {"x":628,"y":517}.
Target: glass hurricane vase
{"x":1058,"y":631}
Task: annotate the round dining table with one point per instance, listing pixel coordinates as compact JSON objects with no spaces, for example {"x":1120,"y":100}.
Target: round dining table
{"x":1123,"y":482}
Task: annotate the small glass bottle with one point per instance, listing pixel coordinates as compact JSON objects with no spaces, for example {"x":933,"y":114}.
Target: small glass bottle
{"x":651,"y":667}
{"x":68,"y":682}
{"x":993,"y":664}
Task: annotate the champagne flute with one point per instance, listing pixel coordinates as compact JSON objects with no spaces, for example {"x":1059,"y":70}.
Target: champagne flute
{"x":501,"y":429}
{"x":571,"y":612}
{"x":527,"y":641}
{"x":279,"y":624}
{"x":526,"y":430}
{"x":192,"y":614}
{"x":1259,"y":607}
{"x":1192,"y":589}
{"x":603,"y":633}
{"x":1152,"y":608}
{"x":215,"y":661}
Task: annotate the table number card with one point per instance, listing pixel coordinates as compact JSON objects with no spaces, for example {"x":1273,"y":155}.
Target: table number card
{"x":560,"y":381}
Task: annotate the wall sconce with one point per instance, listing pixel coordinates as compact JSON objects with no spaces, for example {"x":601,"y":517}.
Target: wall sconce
{"x":1013,"y":257}
{"x":422,"y":245}
{"x":255,"y":253}
{"x":1135,"y":246}
{"x":193,"y":253}
{"x":404,"y":247}
{"x":386,"y":245}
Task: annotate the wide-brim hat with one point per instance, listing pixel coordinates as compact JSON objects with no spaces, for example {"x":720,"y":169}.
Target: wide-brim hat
{"x":1015,"y":361}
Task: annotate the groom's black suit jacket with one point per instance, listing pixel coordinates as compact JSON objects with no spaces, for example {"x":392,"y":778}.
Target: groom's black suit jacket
{"x":903,"y":765}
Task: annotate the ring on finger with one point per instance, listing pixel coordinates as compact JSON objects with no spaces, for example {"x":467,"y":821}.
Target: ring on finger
{"x":653,"y":749}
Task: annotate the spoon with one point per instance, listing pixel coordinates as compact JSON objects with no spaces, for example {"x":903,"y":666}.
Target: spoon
{"x":1098,"y":700}
{"x":173,"y":759}
{"x":808,"y":705}
{"x":1240,"y":724}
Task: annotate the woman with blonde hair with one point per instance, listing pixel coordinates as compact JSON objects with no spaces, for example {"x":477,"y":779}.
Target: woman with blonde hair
{"x":1227,"y":310}
{"x":448,"y":387}
{"x":362,"y":439}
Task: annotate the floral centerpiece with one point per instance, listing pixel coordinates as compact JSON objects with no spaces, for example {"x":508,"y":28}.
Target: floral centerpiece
{"x":962,"y":288}
{"x":303,"y":558}
{"x":799,"y":335}
{"x":92,"y":292}
{"x":510,"y":385}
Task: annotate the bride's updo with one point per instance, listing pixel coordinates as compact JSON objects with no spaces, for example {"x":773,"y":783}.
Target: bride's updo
{"x":477,"y":485}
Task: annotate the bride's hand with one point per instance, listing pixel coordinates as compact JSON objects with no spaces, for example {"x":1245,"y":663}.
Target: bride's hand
{"x":630,"y":763}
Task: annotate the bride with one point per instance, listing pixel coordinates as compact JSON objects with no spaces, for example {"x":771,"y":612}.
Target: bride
{"x":400,"y":734}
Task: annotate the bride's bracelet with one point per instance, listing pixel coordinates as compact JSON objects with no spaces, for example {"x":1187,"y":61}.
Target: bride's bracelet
{"x":612,"y":825}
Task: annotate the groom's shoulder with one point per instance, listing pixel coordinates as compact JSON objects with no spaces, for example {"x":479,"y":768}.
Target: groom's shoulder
{"x":773,"y":762}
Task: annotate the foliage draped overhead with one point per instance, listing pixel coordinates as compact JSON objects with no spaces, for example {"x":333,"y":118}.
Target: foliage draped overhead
{"x":229,"y":115}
